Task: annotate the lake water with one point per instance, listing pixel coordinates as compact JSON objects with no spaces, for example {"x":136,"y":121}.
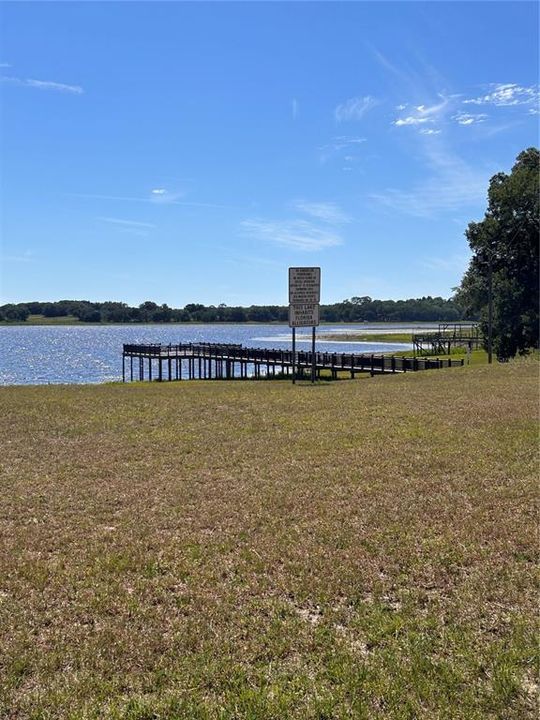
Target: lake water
{"x":37,"y":355}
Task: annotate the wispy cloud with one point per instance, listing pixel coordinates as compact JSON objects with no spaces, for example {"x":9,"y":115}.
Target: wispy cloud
{"x":501,"y":95}
{"x":469,"y":119}
{"x":432,"y":110}
{"x":5,"y":65}
{"x":127,"y":223}
{"x":319,"y":231}
{"x":354,"y":108}
{"x":452,"y":186}
{"x":154,"y":200}
{"x":339,"y":143}
{"x":294,"y":108}
{"x":452,"y":264}
{"x":294,"y":234}
{"x":24,"y":257}
{"x":397,"y":71}
{"x":328,"y":212}
{"x":43,"y":85}
{"x":507,"y":94}
{"x":449,"y":183}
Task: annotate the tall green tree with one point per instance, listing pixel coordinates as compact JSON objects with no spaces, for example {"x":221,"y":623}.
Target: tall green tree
{"x":505,"y":255}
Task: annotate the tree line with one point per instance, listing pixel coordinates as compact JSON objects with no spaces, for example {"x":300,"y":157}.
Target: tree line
{"x":355,"y":309}
{"x":504,"y":263}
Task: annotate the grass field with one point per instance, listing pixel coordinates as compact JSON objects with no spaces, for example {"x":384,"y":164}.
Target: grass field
{"x":389,"y":337}
{"x":405,"y":337}
{"x":358,"y":549}
{"x":42,"y":320}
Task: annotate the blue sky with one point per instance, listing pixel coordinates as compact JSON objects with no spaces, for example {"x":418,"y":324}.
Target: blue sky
{"x":191,"y":152}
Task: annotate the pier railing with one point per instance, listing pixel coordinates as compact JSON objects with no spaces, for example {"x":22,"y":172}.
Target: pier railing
{"x":220,"y":360}
{"x":158,"y":350}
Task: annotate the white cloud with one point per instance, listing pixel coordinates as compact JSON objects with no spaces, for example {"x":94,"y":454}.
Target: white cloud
{"x":423,"y":114}
{"x":468,"y":119}
{"x":506,"y":94}
{"x":429,"y":131}
{"x":294,"y":234}
{"x":43,"y":85}
{"x":328,"y":212}
{"x":354,"y":108}
{"x":411,"y":120}
{"x":400,"y":107}
{"x":162,"y":196}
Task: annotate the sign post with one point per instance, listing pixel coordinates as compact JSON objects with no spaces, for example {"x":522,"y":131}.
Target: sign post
{"x":293,"y":355}
{"x":313,"y":368}
{"x":304,"y":299}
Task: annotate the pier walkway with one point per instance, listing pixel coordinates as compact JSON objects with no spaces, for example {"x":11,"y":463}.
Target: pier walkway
{"x":215,"y":361}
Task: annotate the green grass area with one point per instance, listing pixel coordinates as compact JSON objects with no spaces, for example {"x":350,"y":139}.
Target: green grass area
{"x":367,"y":337}
{"x":258,"y":550}
{"x":477,"y":357}
{"x":390,"y":337}
{"x":42,"y":320}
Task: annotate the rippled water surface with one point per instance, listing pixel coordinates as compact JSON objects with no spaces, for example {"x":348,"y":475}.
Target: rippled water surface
{"x":93,"y":354}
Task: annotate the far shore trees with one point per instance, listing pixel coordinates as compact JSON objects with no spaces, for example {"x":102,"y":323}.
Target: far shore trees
{"x":355,"y":310}
{"x":505,"y":259}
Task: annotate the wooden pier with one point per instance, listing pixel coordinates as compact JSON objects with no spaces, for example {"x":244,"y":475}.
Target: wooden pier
{"x":214,"y":361}
{"x":447,"y":336}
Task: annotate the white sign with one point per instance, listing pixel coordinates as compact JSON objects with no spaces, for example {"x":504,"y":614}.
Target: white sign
{"x":305,"y":315}
{"x":304,"y":285}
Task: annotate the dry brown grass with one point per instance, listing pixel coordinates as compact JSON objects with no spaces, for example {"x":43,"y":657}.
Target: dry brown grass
{"x":361,"y":549}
